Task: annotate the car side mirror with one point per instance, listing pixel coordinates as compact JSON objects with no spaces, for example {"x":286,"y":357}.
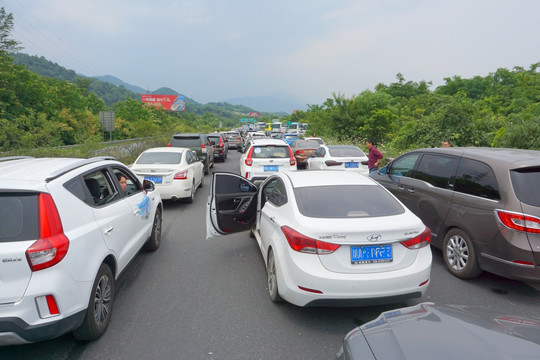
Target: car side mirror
{"x":148,"y":185}
{"x":383,"y":171}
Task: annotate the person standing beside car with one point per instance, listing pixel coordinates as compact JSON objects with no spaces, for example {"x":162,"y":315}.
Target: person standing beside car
{"x":374,"y":156}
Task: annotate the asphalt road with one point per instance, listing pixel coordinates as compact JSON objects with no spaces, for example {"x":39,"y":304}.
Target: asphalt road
{"x":207,"y":299}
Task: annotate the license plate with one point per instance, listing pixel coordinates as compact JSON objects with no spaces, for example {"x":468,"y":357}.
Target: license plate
{"x":155,"y":179}
{"x":351,"y":165}
{"x":371,"y":254}
{"x":271,"y":168}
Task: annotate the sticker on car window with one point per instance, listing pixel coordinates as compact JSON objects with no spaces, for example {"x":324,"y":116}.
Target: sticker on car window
{"x":144,"y":207}
{"x":257,"y":150}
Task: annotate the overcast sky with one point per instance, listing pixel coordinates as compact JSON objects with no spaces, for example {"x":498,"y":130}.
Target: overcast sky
{"x":215,"y":50}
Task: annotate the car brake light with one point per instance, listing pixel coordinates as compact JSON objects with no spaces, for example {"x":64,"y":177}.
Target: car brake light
{"x":202,"y":146}
{"x":220,"y":142}
{"x":419,"y":241}
{"x":249,"y":160}
{"x":52,"y":245}
{"x":169,"y":144}
{"x":304,"y":244}
{"x":292,"y":160}
{"x":519,"y":222}
{"x":299,"y":152}
{"x":332,"y":163}
{"x":182,"y":175}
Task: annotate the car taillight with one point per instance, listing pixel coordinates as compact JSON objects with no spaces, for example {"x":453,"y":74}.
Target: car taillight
{"x":299,"y":152}
{"x":332,"y":163}
{"x":304,"y":244}
{"x":52,"y":245}
{"x":182,"y":175}
{"x":169,"y":144}
{"x":202,"y":146}
{"x":220,"y":142}
{"x":249,"y":160}
{"x":419,"y":241}
{"x":519,"y":222}
{"x":292,"y":159}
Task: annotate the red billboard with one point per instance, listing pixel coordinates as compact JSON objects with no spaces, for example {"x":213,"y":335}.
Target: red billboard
{"x":254,"y":114}
{"x":168,"y":102}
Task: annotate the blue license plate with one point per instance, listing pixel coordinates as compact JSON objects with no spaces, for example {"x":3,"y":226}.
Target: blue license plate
{"x":155,"y":179}
{"x":351,"y":165}
{"x":371,"y":254}
{"x":270,"y":168}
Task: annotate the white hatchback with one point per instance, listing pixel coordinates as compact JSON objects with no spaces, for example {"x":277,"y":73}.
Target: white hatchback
{"x":338,"y":157}
{"x":176,"y":171}
{"x":326,"y":237}
{"x":263,"y":157}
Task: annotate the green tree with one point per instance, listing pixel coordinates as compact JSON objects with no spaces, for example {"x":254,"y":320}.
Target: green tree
{"x":7,"y":44}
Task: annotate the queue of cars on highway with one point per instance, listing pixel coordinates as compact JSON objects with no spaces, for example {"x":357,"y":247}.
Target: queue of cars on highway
{"x":331,"y":235}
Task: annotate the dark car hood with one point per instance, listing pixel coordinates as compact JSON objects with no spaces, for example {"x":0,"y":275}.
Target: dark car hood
{"x":427,"y":331}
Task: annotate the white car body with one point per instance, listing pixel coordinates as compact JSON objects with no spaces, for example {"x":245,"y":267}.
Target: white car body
{"x":264,"y":157}
{"x":338,"y":157}
{"x":176,"y":171}
{"x":382,"y":256}
{"x":60,"y":238}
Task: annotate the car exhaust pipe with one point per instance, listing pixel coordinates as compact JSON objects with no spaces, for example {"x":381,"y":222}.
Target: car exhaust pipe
{"x":174,"y":198}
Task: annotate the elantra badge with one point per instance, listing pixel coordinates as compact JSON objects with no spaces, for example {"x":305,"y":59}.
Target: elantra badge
{"x":374,"y":237}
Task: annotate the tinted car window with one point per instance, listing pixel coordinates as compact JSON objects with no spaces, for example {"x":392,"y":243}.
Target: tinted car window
{"x":342,"y":151}
{"x":476,"y":178}
{"x":100,"y":188}
{"x":525,"y":183}
{"x":186,"y":142}
{"x":278,"y":196}
{"x":227,"y":184}
{"x":18,"y":217}
{"x":437,"y":170}
{"x":261,"y":152}
{"x":346,"y":201}
{"x":404,"y":165}
{"x":306,"y":144}
{"x":160,"y":158}
{"x":320,"y":152}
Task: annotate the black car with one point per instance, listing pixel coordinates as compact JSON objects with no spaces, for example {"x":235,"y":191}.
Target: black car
{"x":221,"y":145}
{"x":198,"y":142}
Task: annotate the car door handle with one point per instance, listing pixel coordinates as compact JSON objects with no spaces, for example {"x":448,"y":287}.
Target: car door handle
{"x":272,"y":219}
{"x":108,"y":230}
{"x":401,"y":188}
{"x":410,"y":191}
{"x":135,"y":212}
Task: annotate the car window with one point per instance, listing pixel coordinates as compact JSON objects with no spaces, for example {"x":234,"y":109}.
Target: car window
{"x":438,"y":170}
{"x":270,"y":151}
{"x":189,"y":157}
{"x":346,"y":201}
{"x":278,"y":196}
{"x":306,"y":144}
{"x":476,"y":178}
{"x":341,"y":151}
{"x":226,"y":184}
{"x":160,"y":158}
{"x":101,"y":190}
{"x":18,"y":217}
{"x":525,"y":183}
{"x":186,"y":142}
{"x":319,"y":152}
{"x":133,"y":185}
{"x":404,"y":165}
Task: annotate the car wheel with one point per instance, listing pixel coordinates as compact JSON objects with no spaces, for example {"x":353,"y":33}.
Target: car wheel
{"x":459,"y":255}
{"x":202,"y":179}
{"x":272,"y":278}
{"x":155,"y":237}
{"x":206,"y":171}
{"x":100,"y":306}
{"x":251,"y":233}
{"x":191,"y":197}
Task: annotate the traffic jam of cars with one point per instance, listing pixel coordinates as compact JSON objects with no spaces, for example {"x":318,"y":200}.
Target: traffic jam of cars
{"x":333,"y":229}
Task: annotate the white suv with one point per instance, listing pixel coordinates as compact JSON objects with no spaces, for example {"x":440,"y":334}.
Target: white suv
{"x":263,"y":157}
{"x":68,"y":227}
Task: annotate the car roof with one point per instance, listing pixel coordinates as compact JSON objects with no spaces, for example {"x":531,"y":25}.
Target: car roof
{"x":167,"y":149}
{"x":513,"y":157}
{"x":269,"y":141}
{"x":327,"y":178}
{"x":341,"y":146}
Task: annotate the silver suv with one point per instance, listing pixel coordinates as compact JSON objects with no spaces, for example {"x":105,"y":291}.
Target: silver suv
{"x":68,"y":227}
{"x":481,"y":204}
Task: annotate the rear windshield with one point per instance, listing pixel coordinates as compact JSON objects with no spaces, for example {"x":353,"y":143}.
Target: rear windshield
{"x":265,"y":152}
{"x":306,"y":144}
{"x":525,"y":183}
{"x":18,"y":217}
{"x":186,"y":142}
{"x":346,"y":201}
{"x":346,"y":151}
{"x":160,"y":158}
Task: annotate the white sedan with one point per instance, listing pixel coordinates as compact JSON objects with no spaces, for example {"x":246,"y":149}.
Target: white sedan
{"x":336,"y":157}
{"x":176,"y":171}
{"x":326,"y":237}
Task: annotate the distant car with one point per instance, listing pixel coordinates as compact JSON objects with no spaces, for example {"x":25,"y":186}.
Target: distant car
{"x":221,"y":146}
{"x":234,"y":139}
{"x":199,"y":143}
{"x":302,"y":149}
{"x":290,"y":138}
{"x":176,"y":171}
{"x":317,"y":139}
{"x":264,"y":157}
{"x":427,"y":331}
{"x":326,"y":238}
{"x":338,"y":157}
{"x":68,"y":229}
{"x":482,"y":205}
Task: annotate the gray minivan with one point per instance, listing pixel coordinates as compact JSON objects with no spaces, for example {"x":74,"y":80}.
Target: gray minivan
{"x":481,"y":204}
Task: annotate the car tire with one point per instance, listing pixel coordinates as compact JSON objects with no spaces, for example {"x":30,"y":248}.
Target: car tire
{"x":191,"y":197}
{"x":206,"y":169}
{"x":100,"y":306}
{"x":155,"y":237}
{"x":272,"y":284}
{"x":202,"y":179}
{"x":459,"y":255}
{"x":211,"y":167}
{"x":251,"y":233}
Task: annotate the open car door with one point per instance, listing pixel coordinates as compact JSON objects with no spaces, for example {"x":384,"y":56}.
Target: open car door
{"x":231,"y":206}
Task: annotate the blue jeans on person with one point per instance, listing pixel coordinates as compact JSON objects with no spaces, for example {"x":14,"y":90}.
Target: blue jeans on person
{"x":373,"y":169}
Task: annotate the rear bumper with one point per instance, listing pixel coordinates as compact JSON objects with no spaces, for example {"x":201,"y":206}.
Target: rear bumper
{"x":15,"y":331}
